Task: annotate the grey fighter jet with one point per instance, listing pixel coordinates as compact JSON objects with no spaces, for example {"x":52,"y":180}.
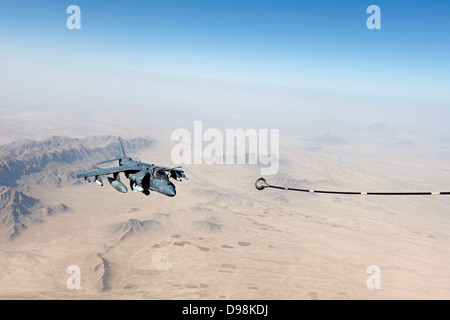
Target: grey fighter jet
{"x":143,"y":177}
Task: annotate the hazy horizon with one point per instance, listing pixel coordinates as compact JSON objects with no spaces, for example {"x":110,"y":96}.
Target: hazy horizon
{"x":279,"y":63}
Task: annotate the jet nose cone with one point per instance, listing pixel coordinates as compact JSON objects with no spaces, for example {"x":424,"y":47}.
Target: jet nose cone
{"x":169,"y":190}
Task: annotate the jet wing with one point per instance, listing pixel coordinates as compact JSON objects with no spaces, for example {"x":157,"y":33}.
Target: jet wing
{"x":106,"y":171}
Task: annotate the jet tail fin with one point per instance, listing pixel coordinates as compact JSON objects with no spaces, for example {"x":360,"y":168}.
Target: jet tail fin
{"x":121,"y":155}
{"x":121,"y":151}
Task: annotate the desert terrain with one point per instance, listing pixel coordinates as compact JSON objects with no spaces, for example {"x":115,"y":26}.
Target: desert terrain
{"x":219,"y":237}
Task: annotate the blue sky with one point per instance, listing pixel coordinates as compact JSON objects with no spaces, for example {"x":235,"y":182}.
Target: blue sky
{"x":216,"y":54}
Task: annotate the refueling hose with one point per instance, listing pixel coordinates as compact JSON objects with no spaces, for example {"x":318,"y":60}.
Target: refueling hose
{"x":262,"y":184}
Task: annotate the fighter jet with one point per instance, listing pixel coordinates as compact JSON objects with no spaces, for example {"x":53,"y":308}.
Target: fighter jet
{"x":143,"y":177}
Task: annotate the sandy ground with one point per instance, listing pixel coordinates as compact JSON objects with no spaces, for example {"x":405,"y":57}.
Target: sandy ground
{"x":220,"y":238}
